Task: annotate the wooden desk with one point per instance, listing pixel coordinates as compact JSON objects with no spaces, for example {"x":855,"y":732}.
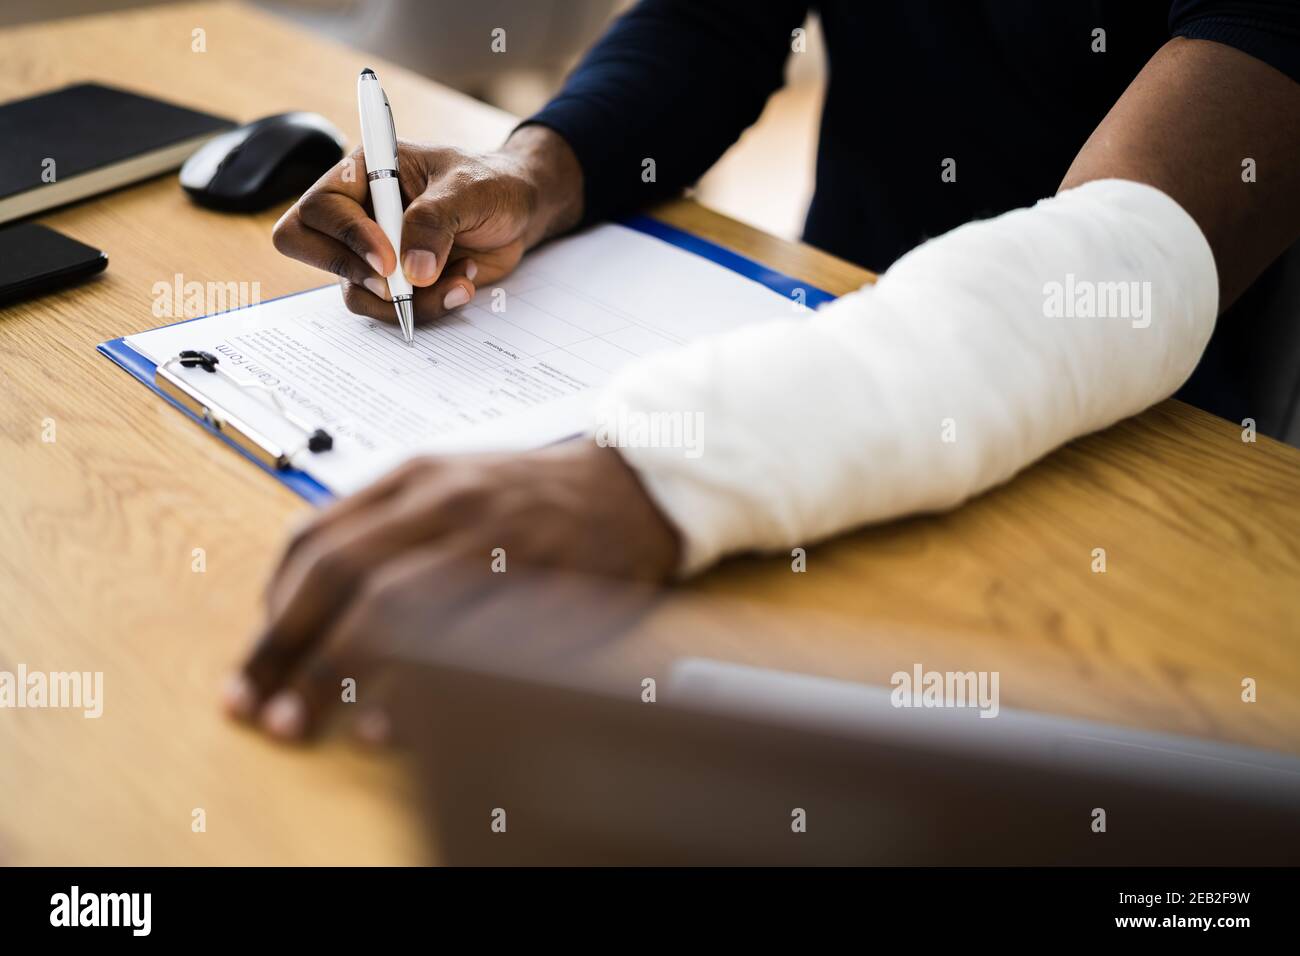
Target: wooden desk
{"x":1202,"y":532}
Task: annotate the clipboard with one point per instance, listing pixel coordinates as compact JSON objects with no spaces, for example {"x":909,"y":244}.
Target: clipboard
{"x":272,"y":457}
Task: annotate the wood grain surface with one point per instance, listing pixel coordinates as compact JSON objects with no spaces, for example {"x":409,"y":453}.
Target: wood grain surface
{"x":98,"y":527}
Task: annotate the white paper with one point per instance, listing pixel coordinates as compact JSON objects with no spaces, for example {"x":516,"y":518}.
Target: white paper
{"x":514,"y":368}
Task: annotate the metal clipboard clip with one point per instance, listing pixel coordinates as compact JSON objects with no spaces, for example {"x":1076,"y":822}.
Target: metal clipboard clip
{"x":250,"y":439}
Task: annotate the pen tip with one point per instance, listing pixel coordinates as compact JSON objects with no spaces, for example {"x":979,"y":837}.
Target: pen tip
{"x":405,"y":318}
{"x":367,"y":72}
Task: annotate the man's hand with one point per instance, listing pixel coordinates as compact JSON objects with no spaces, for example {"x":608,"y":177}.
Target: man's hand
{"x":432,"y":527}
{"x":469,"y":218}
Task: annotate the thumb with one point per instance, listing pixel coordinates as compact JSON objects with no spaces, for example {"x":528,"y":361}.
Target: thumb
{"x":429,"y":229}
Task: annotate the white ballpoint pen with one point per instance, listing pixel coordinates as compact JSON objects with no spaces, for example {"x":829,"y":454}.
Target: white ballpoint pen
{"x":379,"y":140}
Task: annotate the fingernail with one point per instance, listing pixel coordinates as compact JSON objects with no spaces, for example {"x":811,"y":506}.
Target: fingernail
{"x":285,"y":716}
{"x":471,"y":270}
{"x":456,"y":298}
{"x":376,"y":263}
{"x":238,"y":696}
{"x":378,"y":286}
{"x":419,"y":265}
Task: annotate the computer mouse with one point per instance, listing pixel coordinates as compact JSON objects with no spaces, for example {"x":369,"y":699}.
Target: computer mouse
{"x":262,"y":163}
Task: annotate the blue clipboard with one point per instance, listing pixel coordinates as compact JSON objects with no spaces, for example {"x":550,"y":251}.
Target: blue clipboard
{"x":307,"y":487}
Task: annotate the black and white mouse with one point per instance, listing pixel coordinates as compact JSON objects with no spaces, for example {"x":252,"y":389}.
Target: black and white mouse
{"x":262,"y":163}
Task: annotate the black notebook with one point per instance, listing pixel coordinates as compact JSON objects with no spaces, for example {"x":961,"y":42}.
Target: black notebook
{"x":87,"y":139}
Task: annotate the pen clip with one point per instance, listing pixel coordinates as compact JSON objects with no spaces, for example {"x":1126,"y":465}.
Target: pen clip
{"x":392,"y":127}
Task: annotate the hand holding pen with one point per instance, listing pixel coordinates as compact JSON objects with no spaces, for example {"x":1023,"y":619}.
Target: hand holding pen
{"x":468,"y":222}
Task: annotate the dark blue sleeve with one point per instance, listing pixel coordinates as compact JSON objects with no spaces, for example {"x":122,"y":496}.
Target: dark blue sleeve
{"x":1269,"y":30}
{"x":675,"y":81}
